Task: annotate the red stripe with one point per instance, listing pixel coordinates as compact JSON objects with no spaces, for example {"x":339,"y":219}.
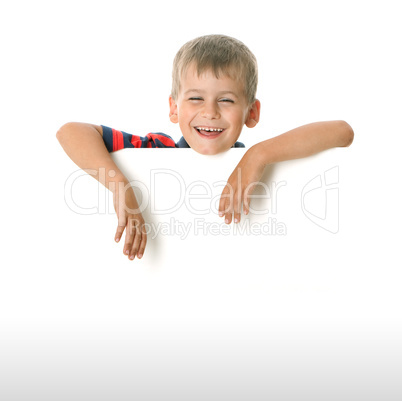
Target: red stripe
{"x":136,"y":141}
{"x":163,"y":139}
{"x":118,"y":142}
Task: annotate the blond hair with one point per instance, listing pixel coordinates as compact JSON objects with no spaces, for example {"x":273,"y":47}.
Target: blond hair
{"x":222,"y":55}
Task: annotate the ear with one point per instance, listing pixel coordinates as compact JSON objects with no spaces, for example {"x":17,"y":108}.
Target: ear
{"x":174,"y":118}
{"x":253,"y":114}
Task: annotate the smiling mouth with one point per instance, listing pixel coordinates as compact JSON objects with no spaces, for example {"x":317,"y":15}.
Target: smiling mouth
{"x":209,"y":132}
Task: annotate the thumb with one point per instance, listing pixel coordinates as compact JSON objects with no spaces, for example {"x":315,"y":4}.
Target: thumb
{"x":121,"y":226}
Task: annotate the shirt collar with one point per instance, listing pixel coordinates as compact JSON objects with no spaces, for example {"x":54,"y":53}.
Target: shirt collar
{"x":183,"y":144}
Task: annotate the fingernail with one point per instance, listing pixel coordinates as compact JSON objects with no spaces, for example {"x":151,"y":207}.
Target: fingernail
{"x":117,"y":239}
{"x":236,"y":220}
{"x":127,"y":252}
{"x":226,"y":221}
{"x":139,"y":255}
{"x":132,"y":257}
{"x":220,"y":214}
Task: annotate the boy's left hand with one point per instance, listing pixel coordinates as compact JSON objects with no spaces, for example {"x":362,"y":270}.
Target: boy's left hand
{"x":240,"y":185}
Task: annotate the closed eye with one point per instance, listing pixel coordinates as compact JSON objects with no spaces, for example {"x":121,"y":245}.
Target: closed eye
{"x":200,"y":99}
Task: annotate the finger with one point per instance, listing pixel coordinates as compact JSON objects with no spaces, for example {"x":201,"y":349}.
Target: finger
{"x":246,"y":198}
{"x":121,"y":225}
{"x":119,"y":233}
{"x":137,"y":239}
{"x":246,"y":205}
{"x":237,"y":207}
{"x":223,"y":201}
{"x":136,"y":243}
{"x":130,"y":233}
{"x":142,"y":245}
{"x":229,"y":211}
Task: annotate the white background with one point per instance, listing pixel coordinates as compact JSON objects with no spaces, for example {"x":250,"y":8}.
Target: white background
{"x":62,"y":333}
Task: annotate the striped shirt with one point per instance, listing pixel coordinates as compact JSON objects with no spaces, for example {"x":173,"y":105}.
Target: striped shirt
{"x":116,"y":140}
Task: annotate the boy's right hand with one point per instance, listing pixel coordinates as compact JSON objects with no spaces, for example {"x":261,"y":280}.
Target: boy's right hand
{"x":129,"y":219}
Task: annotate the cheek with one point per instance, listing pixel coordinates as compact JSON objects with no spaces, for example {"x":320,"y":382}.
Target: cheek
{"x":237,"y":116}
{"x":185,"y":113}
{"x":239,"y":120}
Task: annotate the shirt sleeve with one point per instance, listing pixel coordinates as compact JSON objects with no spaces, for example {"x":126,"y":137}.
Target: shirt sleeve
{"x":117,"y":140}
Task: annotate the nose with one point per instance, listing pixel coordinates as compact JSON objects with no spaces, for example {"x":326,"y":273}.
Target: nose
{"x":210,"y":111}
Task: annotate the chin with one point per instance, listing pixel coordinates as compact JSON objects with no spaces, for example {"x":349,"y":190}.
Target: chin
{"x":210,"y":151}
{"x":209,"y":148}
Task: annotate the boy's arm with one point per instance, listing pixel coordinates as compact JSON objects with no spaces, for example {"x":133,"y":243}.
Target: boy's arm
{"x":304,"y":141}
{"x":300,"y":142}
{"x":84,"y":144}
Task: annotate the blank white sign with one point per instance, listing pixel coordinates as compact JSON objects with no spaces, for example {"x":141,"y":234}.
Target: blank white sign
{"x":212,"y":311}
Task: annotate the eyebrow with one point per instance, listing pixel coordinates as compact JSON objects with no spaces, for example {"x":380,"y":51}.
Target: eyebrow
{"x":219,"y":93}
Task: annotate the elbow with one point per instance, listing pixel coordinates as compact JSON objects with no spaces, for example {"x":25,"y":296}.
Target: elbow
{"x":347,"y":134}
{"x":64,"y":130}
{"x":69,"y":129}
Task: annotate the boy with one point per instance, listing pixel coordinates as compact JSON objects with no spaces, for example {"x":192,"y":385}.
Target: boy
{"x":213,"y":97}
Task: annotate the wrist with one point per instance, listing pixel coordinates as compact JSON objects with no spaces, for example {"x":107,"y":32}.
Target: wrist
{"x":113,"y":179}
{"x":259,"y":154}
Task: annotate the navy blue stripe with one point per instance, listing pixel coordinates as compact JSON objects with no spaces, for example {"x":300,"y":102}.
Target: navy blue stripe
{"x":107,"y":134}
{"x":127,"y":140}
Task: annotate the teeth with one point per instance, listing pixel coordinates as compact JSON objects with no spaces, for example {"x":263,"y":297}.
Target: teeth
{"x":209,"y":129}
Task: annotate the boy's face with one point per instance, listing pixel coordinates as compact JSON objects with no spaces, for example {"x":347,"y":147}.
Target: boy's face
{"x":211,"y":112}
